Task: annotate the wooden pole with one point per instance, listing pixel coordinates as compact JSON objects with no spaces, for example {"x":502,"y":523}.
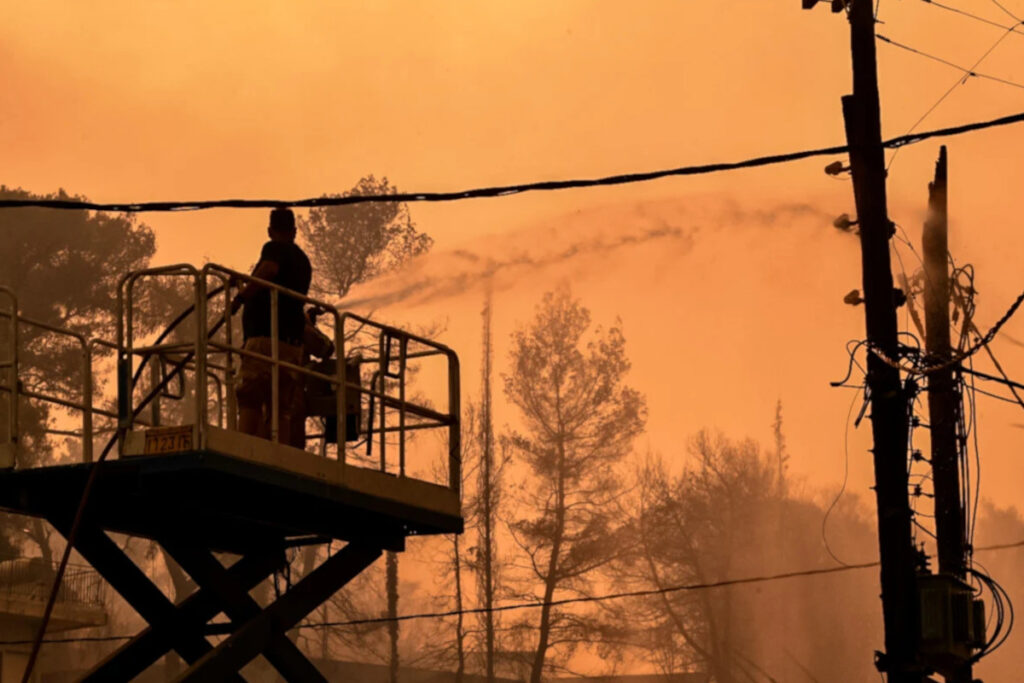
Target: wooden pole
{"x":889,"y":401}
{"x":943,"y":398}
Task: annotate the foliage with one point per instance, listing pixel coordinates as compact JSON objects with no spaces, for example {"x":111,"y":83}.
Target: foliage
{"x":580,"y":420}
{"x":353,"y":243}
{"x":64,"y":267}
{"x":727,"y":516}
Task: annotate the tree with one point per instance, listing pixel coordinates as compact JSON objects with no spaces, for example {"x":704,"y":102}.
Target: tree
{"x":472,"y":560}
{"x":64,"y":267}
{"x":348,"y":245}
{"x":712,"y":516}
{"x":780,"y":447}
{"x":579,"y":422}
{"x":998,"y":526}
{"x":727,"y":516}
{"x":353,"y":243}
{"x":487,"y":499}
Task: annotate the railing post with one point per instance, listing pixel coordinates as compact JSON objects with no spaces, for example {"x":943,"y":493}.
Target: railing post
{"x":220,"y":397}
{"x":154,"y":409}
{"x":12,"y":416}
{"x":341,"y":371}
{"x":229,"y":375}
{"x":382,"y":363}
{"x":455,"y":425}
{"x":403,"y":347}
{"x":200,"y":377}
{"x":124,"y":356}
{"x":275,"y":371}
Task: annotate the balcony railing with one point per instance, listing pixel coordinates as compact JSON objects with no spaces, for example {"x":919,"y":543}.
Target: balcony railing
{"x":32,"y":578}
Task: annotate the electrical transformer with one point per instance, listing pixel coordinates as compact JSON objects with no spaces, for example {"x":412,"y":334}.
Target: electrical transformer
{"x":952,"y":621}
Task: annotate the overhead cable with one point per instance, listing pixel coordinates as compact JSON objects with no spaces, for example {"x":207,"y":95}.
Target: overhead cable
{"x":1007,"y":11}
{"x":500,"y":190}
{"x":767,"y":578}
{"x":976,"y":17}
{"x":1002,"y":380}
{"x":967,"y":72}
{"x":952,"y":88}
{"x":958,"y":357}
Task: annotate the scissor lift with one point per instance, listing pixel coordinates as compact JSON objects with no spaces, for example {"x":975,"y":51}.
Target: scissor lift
{"x":199,"y":488}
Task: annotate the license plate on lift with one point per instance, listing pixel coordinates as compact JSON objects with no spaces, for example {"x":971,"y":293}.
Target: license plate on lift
{"x":168,"y":440}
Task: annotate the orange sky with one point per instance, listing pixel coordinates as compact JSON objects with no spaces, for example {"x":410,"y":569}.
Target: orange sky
{"x":196,"y":100}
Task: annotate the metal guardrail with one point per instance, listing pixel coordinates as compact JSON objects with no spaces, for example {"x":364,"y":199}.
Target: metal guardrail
{"x":32,"y":579}
{"x":380,"y":399}
{"x":11,"y":385}
{"x":209,"y":358}
{"x":9,"y":375}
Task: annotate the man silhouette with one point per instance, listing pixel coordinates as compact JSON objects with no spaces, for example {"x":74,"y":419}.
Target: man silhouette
{"x":283,"y":263}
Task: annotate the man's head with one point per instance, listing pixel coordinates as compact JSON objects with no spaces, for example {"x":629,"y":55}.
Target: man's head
{"x":282,"y":225}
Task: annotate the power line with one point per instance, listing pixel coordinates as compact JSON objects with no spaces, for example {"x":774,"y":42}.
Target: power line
{"x":995,"y":396}
{"x":500,"y":190}
{"x":1008,"y":12}
{"x":982,"y":342}
{"x":992,"y":378}
{"x":609,"y":596}
{"x":1006,"y":378}
{"x":976,"y":17}
{"x":967,"y":72}
{"x":529,"y":605}
{"x":765,"y":578}
{"x":949,"y":92}
{"x":1000,"y":546}
{"x":846,"y":474}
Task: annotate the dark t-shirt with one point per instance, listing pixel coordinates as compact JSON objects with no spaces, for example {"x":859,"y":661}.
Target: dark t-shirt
{"x":293,"y":272}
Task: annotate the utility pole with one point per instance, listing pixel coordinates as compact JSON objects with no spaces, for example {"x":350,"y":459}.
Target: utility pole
{"x":889,"y":401}
{"x":943,"y":398}
{"x":943,"y":406}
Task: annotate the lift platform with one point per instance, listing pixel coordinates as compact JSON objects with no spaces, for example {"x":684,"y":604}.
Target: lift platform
{"x":176,"y":469}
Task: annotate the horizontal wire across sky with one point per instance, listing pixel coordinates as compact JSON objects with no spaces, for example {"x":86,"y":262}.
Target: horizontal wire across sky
{"x":806,"y":573}
{"x":500,"y":190}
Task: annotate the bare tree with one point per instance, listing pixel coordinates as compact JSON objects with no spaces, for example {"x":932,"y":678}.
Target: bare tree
{"x":465,"y":559}
{"x":579,"y":422}
{"x":487,"y":494}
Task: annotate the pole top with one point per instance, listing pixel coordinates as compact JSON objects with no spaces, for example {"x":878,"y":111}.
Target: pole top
{"x":941,"y":165}
{"x":837,"y":5}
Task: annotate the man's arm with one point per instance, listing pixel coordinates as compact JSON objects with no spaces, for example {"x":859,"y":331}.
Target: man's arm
{"x":315,"y":342}
{"x":265,"y":270}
